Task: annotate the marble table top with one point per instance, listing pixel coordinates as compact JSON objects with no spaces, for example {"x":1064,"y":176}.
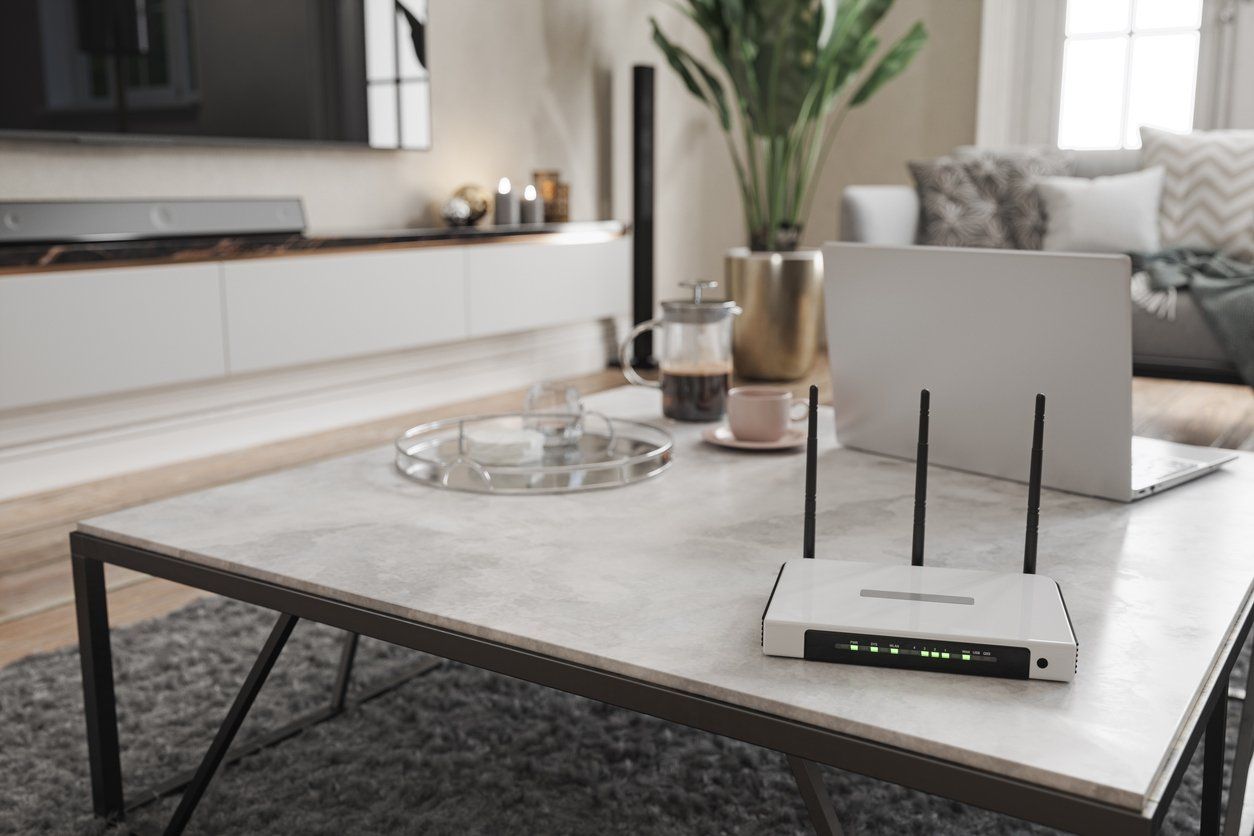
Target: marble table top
{"x":665,"y":581}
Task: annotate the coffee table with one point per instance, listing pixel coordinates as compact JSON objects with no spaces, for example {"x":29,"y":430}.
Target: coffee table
{"x":650,"y":597}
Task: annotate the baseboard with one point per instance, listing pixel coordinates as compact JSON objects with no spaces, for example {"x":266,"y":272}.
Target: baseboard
{"x":66,"y":444}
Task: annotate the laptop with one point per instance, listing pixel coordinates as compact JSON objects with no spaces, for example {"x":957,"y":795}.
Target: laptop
{"x":985,"y":330}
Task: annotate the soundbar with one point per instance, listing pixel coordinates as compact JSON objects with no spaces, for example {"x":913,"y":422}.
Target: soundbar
{"x":123,"y":220}
{"x":913,"y":616}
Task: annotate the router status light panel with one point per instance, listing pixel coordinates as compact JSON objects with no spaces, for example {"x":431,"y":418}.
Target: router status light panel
{"x":894,"y":652}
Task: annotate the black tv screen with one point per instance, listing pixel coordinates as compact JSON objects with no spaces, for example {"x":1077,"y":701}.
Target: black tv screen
{"x":334,"y":71}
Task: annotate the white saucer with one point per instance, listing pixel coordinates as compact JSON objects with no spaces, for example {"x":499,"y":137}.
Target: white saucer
{"x":722,"y":436}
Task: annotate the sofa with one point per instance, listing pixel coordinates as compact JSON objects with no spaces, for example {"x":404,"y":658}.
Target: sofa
{"x":1182,"y":348}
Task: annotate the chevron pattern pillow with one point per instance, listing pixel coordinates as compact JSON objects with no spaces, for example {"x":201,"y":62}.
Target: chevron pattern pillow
{"x":1208,"y":189}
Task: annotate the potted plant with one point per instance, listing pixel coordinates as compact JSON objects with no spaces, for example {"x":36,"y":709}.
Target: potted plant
{"x":791,"y":71}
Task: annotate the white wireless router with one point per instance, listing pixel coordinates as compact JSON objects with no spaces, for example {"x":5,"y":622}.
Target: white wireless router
{"x":922,"y":617}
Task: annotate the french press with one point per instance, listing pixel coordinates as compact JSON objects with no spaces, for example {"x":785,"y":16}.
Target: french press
{"x":695,"y":357}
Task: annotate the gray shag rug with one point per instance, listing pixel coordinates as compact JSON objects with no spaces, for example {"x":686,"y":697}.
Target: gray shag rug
{"x":456,"y":751}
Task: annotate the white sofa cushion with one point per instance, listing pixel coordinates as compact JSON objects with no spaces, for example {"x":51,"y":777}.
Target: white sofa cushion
{"x":1115,"y":214}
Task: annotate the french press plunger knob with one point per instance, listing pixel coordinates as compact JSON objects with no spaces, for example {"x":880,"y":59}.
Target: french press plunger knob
{"x":697,"y":288}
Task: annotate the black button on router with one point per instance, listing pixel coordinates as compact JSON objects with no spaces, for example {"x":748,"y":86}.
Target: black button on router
{"x":1042,"y":663}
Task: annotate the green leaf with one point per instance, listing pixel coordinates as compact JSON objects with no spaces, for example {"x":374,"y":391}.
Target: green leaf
{"x":892,"y":64}
{"x":684,"y":64}
{"x":675,"y":58}
{"x":716,"y":90}
{"x":788,"y":62}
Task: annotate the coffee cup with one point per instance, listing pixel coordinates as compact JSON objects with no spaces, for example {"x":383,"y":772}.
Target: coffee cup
{"x":762,"y":413}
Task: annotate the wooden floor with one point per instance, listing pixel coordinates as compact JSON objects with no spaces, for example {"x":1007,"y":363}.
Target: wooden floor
{"x":35,"y":591}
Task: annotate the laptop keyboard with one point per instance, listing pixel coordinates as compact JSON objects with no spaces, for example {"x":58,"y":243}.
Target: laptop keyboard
{"x":1153,"y":469}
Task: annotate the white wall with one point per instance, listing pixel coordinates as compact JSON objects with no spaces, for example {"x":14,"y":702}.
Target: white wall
{"x":522,"y":84}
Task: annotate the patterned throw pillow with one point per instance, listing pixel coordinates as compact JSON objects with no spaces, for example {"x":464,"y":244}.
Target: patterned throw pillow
{"x":1208,"y":190}
{"x":952,"y":210}
{"x":1009,"y":179}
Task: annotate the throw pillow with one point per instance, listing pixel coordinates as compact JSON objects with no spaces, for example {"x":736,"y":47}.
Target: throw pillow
{"x":1116,"y":214}
{"x":1009,"y":179}
{"x":952,"y":210}
{"x":1208,"y":190}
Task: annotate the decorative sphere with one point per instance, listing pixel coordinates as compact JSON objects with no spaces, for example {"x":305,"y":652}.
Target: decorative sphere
{"x":477,"y":198}
{"x":456,"y":212}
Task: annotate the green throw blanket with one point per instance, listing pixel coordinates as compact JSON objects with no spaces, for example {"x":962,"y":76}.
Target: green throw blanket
{"x":1223,"y":289}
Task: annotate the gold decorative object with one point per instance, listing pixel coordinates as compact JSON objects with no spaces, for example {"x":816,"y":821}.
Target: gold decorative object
{"x":545,"y":181}
{"x":781,"y":294}
{"x":555,"y":193}
{"x":477,"y":199}
{"x":560,"y":211}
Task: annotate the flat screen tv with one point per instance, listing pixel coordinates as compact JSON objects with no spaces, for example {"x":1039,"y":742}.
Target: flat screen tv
{"x":326,"y":71}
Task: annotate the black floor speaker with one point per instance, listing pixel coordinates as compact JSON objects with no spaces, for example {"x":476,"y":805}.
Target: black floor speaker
{"x":642,"y":171}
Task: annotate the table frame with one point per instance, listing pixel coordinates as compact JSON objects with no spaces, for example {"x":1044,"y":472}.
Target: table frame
{"x":804,"y":744}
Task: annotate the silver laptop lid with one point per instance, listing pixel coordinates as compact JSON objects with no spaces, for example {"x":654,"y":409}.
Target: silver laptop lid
{"x":985,"y":330}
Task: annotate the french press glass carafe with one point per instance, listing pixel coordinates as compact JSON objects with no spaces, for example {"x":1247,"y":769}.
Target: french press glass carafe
{"x":695,"y":356}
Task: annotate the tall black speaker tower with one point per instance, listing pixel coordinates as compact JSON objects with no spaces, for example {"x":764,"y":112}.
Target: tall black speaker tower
{"x":642,"y":154}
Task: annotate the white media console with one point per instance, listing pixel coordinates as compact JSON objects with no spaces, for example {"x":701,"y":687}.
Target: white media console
{"x":251,"y":349}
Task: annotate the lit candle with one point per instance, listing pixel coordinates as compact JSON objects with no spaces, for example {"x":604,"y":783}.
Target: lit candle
{"x":532,"y":206}
{"x":506,"y":204}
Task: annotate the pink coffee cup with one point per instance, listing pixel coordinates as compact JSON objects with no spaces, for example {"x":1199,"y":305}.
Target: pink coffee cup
{"x":762,"y":413}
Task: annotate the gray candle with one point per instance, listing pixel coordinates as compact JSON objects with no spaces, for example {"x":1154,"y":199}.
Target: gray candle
{"x":532,"y":207}
{"x":506,"y":205}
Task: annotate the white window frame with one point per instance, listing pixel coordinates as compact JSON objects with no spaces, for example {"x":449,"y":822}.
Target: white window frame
{"x":1129,"y":34}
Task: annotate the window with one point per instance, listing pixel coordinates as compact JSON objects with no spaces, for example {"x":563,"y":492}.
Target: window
{"x":1127,"y":63}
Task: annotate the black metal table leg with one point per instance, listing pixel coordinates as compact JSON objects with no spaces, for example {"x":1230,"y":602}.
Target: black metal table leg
{"x":818,"y":803}
{"x":179,"y":782}
{"x":342,"y":677}
{"x":1213,"y":765}
{"x":99,"y":704}
{"x":1241,"y":762}
{"x":234,"y":719}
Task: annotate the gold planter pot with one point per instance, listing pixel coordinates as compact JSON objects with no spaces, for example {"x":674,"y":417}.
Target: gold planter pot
{"x":781,"y":295}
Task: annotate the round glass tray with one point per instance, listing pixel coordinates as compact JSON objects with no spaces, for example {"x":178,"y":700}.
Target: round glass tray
{"x":610,"y":452}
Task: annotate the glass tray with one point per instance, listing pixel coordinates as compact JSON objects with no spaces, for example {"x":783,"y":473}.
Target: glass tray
{"x":610,"y":453}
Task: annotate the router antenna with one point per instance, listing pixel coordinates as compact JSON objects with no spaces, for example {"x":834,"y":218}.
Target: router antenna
{"x":1034,"y":488}
{"x":812,"y":454}
{"x":920,"y":481}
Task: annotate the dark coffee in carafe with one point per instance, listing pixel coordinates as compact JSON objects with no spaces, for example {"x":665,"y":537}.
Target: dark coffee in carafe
{"x":695,"y":394}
